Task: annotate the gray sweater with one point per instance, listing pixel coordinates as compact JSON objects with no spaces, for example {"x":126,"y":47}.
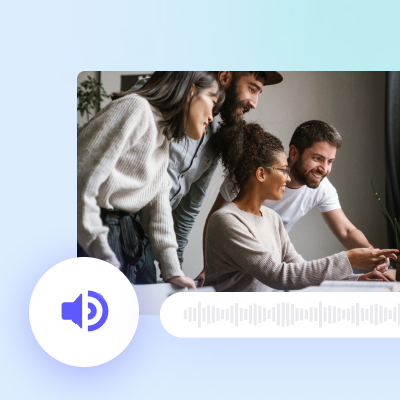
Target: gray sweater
{"x":249,"y":253}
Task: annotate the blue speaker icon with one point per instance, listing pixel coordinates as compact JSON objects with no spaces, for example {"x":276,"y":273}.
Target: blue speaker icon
{"x":73,"y":311}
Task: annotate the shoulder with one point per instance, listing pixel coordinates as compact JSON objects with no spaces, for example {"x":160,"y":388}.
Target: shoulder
{"x":133,"y":101}
{"x":319,"y":194}
{"x":329,"y":199}
{"x":326,"y":189}
{"x":227,"y":215}
{"x":227,"y":225}
{"x":327,"y":185}
{"x":270,"y":213}
{"x":272,"y":218}
{"x":227,"y":210}
{"x":134,"y":110}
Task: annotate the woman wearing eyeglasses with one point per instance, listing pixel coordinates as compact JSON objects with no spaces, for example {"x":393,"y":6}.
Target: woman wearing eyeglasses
{"x":247,"y":247}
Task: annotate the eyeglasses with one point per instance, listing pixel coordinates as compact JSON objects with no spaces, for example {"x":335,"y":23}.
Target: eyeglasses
{"x":286,"y":171}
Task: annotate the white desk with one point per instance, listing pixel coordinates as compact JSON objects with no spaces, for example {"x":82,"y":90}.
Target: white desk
{"x":151,"y":297}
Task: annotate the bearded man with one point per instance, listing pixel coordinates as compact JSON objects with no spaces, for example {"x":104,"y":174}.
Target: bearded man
{"x":311,"y":153}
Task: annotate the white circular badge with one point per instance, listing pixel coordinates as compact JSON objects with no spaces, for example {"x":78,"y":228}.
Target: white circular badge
{"x":84,"y":312}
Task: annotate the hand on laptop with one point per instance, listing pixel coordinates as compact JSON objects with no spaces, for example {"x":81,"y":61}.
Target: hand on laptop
{"x":183,"y":281}
{"x":384,"y":266}
{"x":376,"y":276}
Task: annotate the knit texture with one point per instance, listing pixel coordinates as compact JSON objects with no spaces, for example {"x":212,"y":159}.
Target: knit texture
{"x":122,"y":164}
{"x":249,"y":253}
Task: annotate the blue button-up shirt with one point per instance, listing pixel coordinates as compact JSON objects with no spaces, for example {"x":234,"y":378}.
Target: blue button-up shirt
{"x":191,"y":167}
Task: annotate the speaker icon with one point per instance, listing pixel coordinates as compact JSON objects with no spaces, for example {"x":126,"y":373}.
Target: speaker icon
{"x":73,"y":311}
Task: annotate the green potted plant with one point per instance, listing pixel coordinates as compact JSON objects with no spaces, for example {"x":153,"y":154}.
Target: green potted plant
{"x":394,"y":223}
{"x":90,"y":94}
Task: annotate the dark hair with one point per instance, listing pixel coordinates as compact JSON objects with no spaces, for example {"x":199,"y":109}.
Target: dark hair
{"x":310,"y":132}
{"x":258,"y":75}
{"x":169,"y":91}
{"x":243,"y":148}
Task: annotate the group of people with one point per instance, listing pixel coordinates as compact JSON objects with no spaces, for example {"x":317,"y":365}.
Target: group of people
{"x":145,"y":162}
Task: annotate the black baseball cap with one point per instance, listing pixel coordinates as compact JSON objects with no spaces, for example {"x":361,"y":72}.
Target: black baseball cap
{"x":273,"y":77}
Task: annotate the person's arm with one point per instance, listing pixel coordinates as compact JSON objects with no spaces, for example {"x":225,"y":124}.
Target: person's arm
{"x":216,"y":206}
{"x":230,"y":242}
{"x":289,"y":254}
{"x":185,"y":213}
{"x":376,"y":276}
{"x":157,"y":221}
{"x":348,"y":235}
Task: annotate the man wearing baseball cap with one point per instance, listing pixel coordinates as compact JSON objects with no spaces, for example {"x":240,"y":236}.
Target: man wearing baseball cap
{"x":192,"y":163}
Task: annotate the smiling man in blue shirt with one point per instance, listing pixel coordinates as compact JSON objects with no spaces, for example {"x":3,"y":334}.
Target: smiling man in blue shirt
{"x":192,"y":164}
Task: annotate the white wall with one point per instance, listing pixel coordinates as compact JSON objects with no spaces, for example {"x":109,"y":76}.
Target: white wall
{"x":354,"y":103}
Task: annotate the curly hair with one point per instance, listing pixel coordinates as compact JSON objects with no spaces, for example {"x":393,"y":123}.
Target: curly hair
{"x":243,"y":148}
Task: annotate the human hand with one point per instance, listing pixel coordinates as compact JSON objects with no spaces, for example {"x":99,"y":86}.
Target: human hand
{"x":182,"y":281}
{"x":376,"y":276}
{"x":384,"y":266}
{"x":201,"y":277}
{"x":369,"y":258}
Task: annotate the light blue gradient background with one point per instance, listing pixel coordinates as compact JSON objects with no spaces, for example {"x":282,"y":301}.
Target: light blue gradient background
{"x":44,"y":47}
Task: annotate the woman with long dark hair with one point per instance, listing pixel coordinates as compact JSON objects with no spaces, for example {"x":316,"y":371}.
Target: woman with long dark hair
{"x":247,"y":247}
{"x":123,"y":155}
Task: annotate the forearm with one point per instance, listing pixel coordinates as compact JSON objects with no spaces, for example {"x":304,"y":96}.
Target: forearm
{"x":232,"y":247}
{"x":347,"y":234}
{"x":182,"y":227}
{"x":354,"y":239}
{"x":290,"y":256}
{"x":352,"y":277}
{"x":204,"y":240}
{"x":189,"y":207}
{"x":157,"y":222}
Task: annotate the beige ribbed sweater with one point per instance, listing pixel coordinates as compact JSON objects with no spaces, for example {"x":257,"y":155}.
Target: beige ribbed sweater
{"x":122,"y":164}
{"x":250,"y":253}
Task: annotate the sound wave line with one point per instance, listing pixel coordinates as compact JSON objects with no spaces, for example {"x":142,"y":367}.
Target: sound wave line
{"x":285,"y":314}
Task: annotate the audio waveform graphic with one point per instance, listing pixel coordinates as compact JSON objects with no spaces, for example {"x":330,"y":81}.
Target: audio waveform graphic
{"x":286,"y":314}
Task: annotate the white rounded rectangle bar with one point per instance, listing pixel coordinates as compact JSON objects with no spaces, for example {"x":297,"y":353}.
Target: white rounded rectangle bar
{"x":282,"y":315}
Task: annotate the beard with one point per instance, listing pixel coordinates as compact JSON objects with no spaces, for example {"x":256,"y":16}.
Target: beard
{"x":231,"y":104}
{"x":303,"y":177}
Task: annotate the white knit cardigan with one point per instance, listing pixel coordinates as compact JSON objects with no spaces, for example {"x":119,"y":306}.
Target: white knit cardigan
{"x":122,"y":164}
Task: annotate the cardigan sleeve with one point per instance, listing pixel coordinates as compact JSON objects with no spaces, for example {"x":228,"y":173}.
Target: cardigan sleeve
{"x":230,"y":242}
{"x":289,"y":254}
{"x":117,"y":127}
{"x":157,"y":221}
